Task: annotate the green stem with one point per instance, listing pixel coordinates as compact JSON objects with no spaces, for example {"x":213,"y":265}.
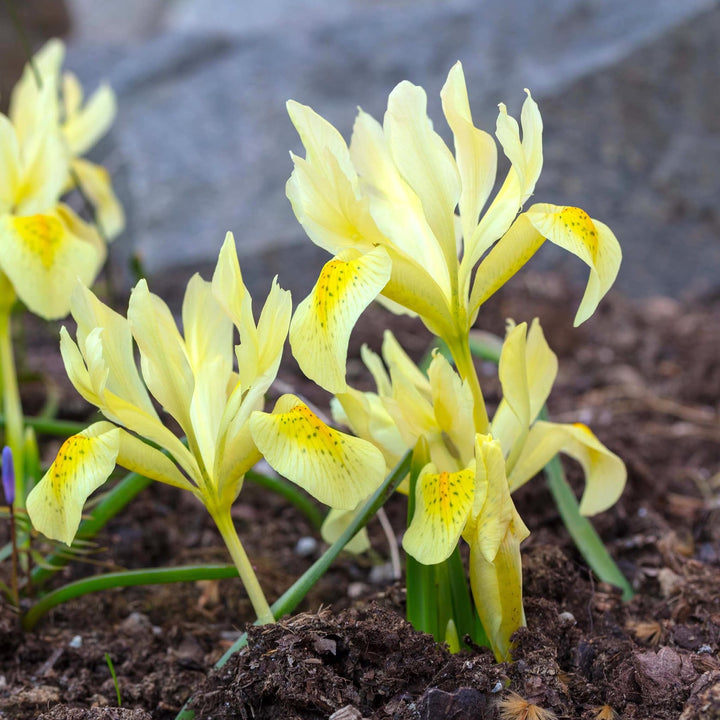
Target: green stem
{"x":294,"y":595}
{"x":127,"y":578}
{"x":291,"y":492}
{"x":225,"y":525}
{"x":12,"y":407}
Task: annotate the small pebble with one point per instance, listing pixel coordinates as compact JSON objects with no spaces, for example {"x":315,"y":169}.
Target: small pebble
{"x":356,"y":590}
{"x":497,"y":687}
{"x":567,"y":618}
{"x":306,"y":546}
{"x":3,"y":682}
{"x":704,"y":649}
{"x":381,"y":574}
{"x":76,"y":642}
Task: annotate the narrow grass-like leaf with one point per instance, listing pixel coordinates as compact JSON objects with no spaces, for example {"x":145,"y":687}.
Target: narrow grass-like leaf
{"x":127,"y":578}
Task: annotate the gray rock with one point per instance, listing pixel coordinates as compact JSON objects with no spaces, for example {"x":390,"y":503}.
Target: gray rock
{"x":202,"y":136}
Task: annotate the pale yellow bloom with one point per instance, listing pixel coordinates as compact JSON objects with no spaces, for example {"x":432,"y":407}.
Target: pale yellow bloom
{"x":192,"y":377}
{"x":44,"y":246}
{"x":466,"y":488}
{"x":385,"y":207}
{"x":82,"y":124}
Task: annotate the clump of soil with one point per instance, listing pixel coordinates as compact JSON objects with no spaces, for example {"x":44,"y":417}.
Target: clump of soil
{"x":644,"y":375}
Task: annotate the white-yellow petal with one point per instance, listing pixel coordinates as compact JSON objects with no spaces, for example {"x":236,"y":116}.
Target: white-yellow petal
{"x":10,"y":164}
{"x":97,"y":186}
{"x":228,"y":286}
{"x":592,"y":241}
{"x":453,"y":403}
{"x":425,"y":163}
{"x":163,"y":358}
{"x":335,"y":524}
{"x":526,"y":162}
{"x":117,"y":347}
{"x":84,"y":462}
{"x":443,"y":501}
{"x":261,"y":348}
{"x":510,"y":253}
{"x":84,"y":126}
{"x":44,"y":255}
{"x":398,"y":213}
{"x":337,"y":469}
{"x":208,"y":344}
{"x":605,"y":472}
{"x":320,"y":329}
{"x":475,"y":153}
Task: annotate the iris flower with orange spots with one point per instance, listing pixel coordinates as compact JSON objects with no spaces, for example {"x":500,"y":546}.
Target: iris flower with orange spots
{"x":416,"y":226}
{"x":465,"y":489}
{"x":218,"y":408}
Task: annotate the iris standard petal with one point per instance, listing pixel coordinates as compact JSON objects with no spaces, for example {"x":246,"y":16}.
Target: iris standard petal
{"x":510,"y":253}
{"x":84,"y":462}
{"x":9,"y":165}
{"x":117,"y":346}
{"x":84,"y":126}
{"x":425,"y":163}
{"x":321,"y":327}
{"x":163,"y":358}
{"x":337,"y":469}
{"x":96,"y":184}
{"x":475,"y":153}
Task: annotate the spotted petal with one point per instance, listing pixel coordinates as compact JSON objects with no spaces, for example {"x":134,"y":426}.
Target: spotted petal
{"x":338,"y":469}
{"x":84,"y":462}
{"x":442,"y":503}
{"x":592,"y":241}
{"x":44,"y":255}
{"x":321,"y":327}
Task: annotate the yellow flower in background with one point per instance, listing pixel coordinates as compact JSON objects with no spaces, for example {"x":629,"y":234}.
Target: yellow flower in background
{"x":44,"y":246}
{"x":82,"y":124}
{"x":192,"y":377}
{"x":385,"y":208}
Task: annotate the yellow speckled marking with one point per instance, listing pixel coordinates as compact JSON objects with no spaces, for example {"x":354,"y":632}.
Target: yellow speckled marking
{"x":446,"y":495}
{"x":579,"y":224}
{"x":306,"y":427}
{"x":69,"y":458}
{"x":332,"y":285}
{"x":42,"y":235}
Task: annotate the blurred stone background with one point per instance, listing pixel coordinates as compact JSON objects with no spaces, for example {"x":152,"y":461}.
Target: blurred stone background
{"x":629,"y":93}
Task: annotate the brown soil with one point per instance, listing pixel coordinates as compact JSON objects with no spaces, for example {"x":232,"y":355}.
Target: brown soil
{"x":645,"y":376}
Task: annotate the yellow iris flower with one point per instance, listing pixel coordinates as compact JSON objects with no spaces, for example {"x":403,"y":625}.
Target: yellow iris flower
{"x":44,"y":246}
{"x":385,"y":207}
{"x":192,"y":378}
{"x":218,"y":408}
{"x":465,"y":489}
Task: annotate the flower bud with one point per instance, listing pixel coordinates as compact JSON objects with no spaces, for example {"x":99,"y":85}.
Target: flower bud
{"x":8,"y":475}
